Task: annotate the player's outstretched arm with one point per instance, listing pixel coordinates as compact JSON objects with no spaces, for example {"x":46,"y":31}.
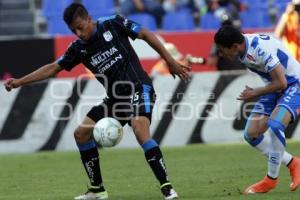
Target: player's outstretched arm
{"x":175,"y":67}
{"x":42,"y":73}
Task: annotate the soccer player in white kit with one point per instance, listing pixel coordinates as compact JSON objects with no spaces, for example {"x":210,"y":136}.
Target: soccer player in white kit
{"x":278,"y":103}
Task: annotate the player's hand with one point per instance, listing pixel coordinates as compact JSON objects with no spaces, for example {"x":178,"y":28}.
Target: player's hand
{"x":11,"y":83}
{"x":182,"y":71}
{"x":248,"y":94}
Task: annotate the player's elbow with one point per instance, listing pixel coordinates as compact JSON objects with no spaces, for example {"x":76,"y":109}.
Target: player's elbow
{"x":54,"y":69}
{"x":282,"y":85}
{"x":144,"y":34}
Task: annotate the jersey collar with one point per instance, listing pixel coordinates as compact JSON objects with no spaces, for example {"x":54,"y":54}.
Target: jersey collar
{"x":242,"y":57}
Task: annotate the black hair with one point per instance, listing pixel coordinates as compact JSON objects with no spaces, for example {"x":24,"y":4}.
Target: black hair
{"x":73,"y":11}
{"x":227,"y":36}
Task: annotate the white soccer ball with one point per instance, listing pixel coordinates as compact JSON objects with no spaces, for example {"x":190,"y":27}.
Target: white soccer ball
{"x":108,"y":132}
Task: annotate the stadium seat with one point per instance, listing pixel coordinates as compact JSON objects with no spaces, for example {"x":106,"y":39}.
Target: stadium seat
{"x":57,"y":26}
{"x":145,"y":20}
{"x":99,"y":8}
{"x":178,"y":21}
{"x":281,"y":5}
{"x":53,"y":11}
{"x":209,"y":22}
{"x":54,"y":7}
{"x":255,"y":19}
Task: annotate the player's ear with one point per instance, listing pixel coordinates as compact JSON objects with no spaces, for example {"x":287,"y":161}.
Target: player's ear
{"x":235,"y":46}
{"x":89,"y":18}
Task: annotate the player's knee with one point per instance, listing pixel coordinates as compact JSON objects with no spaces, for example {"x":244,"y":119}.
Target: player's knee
{"x":247,"y":136}
{"x":276,"y":125}
{"x":80,"y":136}
{"x":139,"y":126}
{"x":77,"y":135}
{"x":141,"y":131}
{"x":253,"y":137}
{"x":250,"y":134}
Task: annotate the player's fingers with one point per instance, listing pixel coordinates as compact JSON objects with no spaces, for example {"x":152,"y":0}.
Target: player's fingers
{"x":188,"y":68}
{"x":185,"y":77}
{"x":249,"y":88}
{"x":8,"y":88}
{"x":173,"y":75}
{"x":180,"y":76}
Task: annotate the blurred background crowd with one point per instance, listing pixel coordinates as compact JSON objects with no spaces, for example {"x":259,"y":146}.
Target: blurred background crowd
{"x":44,"y":16}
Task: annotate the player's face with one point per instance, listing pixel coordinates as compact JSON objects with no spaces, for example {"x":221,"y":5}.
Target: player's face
{"x":82,"y":27}
{"x":228,"y":53}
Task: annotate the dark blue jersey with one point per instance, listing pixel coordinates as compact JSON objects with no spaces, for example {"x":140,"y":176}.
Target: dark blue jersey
{"x":109,"y":54}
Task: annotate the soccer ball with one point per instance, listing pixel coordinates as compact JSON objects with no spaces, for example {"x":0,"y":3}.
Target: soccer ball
{"x":108,"y":132}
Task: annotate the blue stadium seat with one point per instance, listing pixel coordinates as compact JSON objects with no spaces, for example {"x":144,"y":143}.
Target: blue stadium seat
{"x":255,"y":19}
{"x":178,"y":21}
{"x":53,"y":11}
{"x":209,"y":22}
{"x":54,"y":7}
{"x":56,"y":26}
{"x":281,"y":5}
{"x":99,"y":8}
{"x":145,"y":20}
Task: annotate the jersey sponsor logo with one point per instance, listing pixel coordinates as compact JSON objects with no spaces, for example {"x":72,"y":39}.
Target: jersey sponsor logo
{"x":135,"y":27}
{"x":260,"y":52}
{"x":269,"y":59}
{"x":109,"y":64}
{"x":84,"y":51}
{"x":102,"y":56}
{"x":125,"y":22}
{"x":107,"y":36}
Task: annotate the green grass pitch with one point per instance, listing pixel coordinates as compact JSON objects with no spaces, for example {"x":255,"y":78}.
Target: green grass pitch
{"x":198,"y":172}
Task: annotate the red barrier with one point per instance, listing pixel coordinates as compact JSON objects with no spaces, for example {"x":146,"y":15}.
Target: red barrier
{"x":195,"y":43}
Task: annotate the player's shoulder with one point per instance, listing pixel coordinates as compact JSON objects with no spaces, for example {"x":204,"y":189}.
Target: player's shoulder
{"x":259,"y":42}
{"x":104,"y":19}
{"x":76,"y":45}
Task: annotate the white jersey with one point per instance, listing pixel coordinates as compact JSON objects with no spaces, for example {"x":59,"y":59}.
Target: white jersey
{"x":263,"y":53}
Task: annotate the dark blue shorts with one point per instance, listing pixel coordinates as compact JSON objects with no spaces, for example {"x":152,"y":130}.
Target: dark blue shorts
{"x":141,"y":103}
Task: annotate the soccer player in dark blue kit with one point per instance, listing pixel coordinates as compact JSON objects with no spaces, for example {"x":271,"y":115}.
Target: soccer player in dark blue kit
{"x":103,"y":47}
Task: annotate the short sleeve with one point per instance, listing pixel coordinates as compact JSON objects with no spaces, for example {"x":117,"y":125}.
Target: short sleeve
{"x":131,"y":28}
{"x":70,"y":58}
{"x":270,"y":62}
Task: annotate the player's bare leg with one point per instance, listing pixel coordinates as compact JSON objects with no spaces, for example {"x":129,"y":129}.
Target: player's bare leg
{"x":154,"y":157}
{"x":90,"y":159}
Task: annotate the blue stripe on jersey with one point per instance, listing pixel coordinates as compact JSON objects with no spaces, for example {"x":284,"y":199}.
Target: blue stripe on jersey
{"x":291,"y":79}
{"x":135,"y":27}
{"x":254,"y":42}
{"x":283,"y":58}
{"x":267,"y":60}
{"x":146,"y":95}
{"x":103,"y":19}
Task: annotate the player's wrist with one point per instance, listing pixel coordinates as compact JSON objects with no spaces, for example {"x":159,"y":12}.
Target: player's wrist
{"x":18,"y":83}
